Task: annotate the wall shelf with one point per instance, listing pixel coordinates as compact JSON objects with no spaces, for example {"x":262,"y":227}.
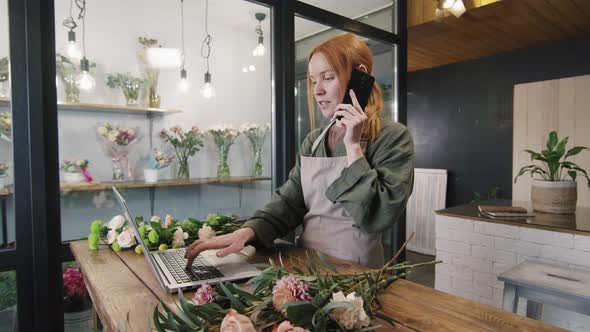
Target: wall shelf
{"x":98,"y":186}
{"x":121,"y":109}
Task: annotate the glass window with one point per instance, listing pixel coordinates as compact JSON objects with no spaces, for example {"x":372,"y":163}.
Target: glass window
{"x":117,"y":124}
{"x":384,"y":67}
{"x":377,"y":13}
{"x":8,"y":317}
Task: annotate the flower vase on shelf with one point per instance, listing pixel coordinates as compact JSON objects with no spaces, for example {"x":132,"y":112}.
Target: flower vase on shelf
{"x":118,"y":174}
{"x":183,"y":170}
{"x":4,"y":89}
{"x":257,"y":171}
{"x":73,"y":177}
{"x":222,"y":166}
{"x":153,"y":96}
{"x":150,"y":175}
{"x":71,"y":90}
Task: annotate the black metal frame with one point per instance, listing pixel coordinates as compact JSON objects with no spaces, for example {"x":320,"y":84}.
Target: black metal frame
{"x":39,"y":252}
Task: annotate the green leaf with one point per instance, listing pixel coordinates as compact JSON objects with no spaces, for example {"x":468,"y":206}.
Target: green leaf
{"x":185,"y":313}
{"x":574,"y":151}
{"x":552,"y":141}
{"x":334,"y":305}
{"x":560,"y":150}
{"x":235,"y":302}
{"x":535,"y":155}
{"x":300,"y":313}
{"x":572,"y":174}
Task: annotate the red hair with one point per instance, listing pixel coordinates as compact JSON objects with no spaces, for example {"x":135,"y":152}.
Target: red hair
{"x":344,"y":52}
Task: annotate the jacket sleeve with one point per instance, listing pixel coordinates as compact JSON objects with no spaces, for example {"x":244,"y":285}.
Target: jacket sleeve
{"x":375,"y":192}
{"x":286,"y":208}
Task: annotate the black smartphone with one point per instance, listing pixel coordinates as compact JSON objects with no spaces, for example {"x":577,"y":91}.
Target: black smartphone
{"x":362,"y":85}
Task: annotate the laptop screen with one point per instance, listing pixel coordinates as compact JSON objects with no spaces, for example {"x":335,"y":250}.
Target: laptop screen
{"x":131,"y":223}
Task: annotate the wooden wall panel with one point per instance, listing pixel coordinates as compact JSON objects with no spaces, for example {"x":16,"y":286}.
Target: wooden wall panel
{"x":541,"y":107}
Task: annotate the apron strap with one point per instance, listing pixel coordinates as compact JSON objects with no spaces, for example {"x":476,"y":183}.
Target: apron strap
{"x":316,"y":143}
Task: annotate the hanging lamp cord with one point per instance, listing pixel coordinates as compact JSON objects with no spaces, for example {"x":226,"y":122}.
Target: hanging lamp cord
{"x":206,"y":46}
{"x":182,"y":30}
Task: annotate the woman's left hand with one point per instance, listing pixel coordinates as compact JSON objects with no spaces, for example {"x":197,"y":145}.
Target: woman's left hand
{"x":353,"y":119}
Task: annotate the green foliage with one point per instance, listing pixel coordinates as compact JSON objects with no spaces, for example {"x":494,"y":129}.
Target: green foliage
{"x":552,"y":167}
{"x":7,"y":289}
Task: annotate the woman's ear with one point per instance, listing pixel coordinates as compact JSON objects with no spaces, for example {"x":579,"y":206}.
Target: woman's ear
{"x":362,"y":68}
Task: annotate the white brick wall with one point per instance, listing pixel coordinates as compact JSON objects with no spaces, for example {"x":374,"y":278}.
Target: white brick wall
{"x":475,"y":252}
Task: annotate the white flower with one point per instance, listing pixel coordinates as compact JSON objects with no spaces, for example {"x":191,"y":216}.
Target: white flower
{"x":206,"y":232}
{"x":155,"y":219}
{"x":353,"y":317}
{"x":117,"y":222}
{"x":102,"y":131}
{"x":126,"y":239}
{"x":131,"y":132}
{"x":168,"y":221}
{"x":179,"y":237}
{"x":112,"y":236}
{"x":112,"y":136}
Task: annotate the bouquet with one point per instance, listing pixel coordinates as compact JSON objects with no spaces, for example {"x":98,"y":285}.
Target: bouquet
{"x":285,"y":298}
{"x":256,"y":133}
{"x":117,"y":141}
{"x":130,"y":86}
{"x":77,"y":166}
{"x":67,"y":71}
{"x":224,"y":137}
{"x":74,"y":289}
{"x":160,"y":159}
{"x":158,"y":233}
{"x":185,"y":144}
{"x":6,"y":126}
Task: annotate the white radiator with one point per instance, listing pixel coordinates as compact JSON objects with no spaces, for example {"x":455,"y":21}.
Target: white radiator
{"x":429,"y":195}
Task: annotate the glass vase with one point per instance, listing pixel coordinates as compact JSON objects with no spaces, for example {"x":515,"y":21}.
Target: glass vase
{"x":131,"y":91}
{"x":72,"y":91}
{"x":257,"y":170}
{"x":222,"y":166}
{"x":118,"y":174}
{"x":4,"y":89}
{"x":153,"y":95}
{"x":183,"y":170}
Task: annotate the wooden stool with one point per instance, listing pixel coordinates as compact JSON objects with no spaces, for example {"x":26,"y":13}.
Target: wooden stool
{"x":542,"y":283}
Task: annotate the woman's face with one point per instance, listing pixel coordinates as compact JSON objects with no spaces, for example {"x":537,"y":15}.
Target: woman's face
{"x":326,"y":86}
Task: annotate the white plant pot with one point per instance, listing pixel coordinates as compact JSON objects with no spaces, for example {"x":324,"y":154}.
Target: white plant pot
{"x":150,"y":175}
{"x":554,"y":196}
{"x":73,"y":177}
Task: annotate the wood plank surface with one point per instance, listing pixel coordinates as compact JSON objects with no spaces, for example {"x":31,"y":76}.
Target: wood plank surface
{"x":122,"y":282}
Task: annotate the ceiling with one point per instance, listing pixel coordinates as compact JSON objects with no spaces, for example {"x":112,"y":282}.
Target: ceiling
{"x":498,"y":27}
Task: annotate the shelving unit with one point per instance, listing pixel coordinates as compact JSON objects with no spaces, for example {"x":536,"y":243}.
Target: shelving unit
{"x":121,"y":109}
{"x":98,"y":186}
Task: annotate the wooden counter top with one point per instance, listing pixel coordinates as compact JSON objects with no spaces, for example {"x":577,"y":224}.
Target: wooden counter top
{"x":578,"y":223}
{"x":121,"y":284}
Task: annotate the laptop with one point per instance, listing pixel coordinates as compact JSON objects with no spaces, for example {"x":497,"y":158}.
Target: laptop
{"x":169,"y":266}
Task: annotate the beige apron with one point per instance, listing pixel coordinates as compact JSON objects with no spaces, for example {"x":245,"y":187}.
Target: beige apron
{"x":328,"y":227}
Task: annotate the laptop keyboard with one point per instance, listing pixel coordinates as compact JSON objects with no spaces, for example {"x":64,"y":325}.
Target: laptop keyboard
{"x":202,"y":269}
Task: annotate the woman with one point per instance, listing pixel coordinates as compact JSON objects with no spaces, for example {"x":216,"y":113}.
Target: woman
{"x":351,"y":180}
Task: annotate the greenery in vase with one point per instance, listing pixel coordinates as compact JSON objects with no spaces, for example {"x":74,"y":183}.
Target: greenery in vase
{"x":224,"y":137}
{"x":185,"y":144}
{"x":152,"y":74}
{"x":6,"y":125}
{"x":4,"y":169}
{"x":315,"y":297}
{"x":552,"y":166}
{"x":67,"y":70}
{"x":4,"y":69}
{"x":130,"y":86}
{"x":256,"y":134}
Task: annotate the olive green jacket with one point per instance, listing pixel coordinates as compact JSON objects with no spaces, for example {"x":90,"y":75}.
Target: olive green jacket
{"x":373,"y":189}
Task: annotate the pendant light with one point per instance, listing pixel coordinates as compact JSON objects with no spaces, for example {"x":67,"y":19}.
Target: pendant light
{"x":84,"y":81}
{"x":259,"y":50}
{"x":72,"y":49}
{"x":207,"y":90}
{"x":183,"y":85}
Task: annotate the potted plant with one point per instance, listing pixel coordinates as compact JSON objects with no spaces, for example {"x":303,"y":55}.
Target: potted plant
{"x":8,"y":301}
{"x":185,"y":143}
{"x":130,"y":86}
{"x":158,"y":161}
{"x":554,"y":192}
{"x":77,"y":304}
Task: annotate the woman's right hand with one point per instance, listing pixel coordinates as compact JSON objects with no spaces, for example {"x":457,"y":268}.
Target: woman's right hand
{"x":228,"y":244}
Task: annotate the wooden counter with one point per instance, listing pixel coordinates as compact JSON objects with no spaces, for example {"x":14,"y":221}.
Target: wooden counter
{"x":121,"y":285}
{"x":578,"y":223}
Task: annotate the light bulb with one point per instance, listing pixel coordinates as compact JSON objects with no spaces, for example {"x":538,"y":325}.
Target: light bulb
{"x":458,"y":8}
{"x":183,"y":85}
{"x":207,"y":90}
{"x":244,"y":69}
{"x":73,"y":51}
{"x":251,"y":68}
{"x":85,"y":81}
{"x":259,"y":50}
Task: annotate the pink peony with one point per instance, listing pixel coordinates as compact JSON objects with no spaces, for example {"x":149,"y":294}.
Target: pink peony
{"x":205,"y":294}
{"x":73,"y":283}
{"x":287,"y":290}
{"x":286,"y":326}
{"x":234,"y":322}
